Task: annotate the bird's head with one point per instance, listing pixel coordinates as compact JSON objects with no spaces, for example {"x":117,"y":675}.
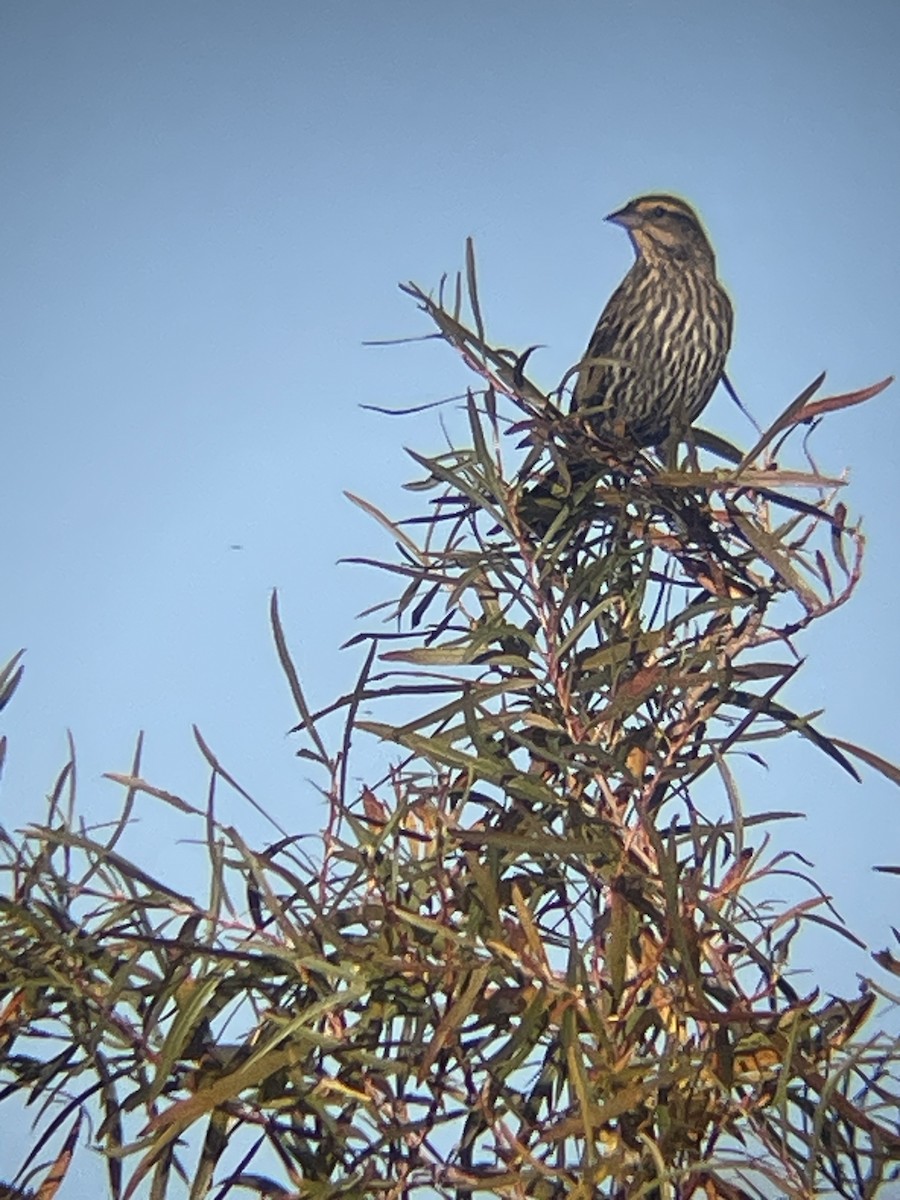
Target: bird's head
{"x":664,"y":228}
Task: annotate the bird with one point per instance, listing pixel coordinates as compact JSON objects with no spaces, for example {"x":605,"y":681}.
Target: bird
{"x":659,"y":347}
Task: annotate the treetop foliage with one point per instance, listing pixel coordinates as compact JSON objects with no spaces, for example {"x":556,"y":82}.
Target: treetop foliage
{"x":542,"y":956}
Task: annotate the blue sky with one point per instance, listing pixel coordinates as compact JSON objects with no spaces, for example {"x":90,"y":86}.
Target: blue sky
{"x":207,"y":208}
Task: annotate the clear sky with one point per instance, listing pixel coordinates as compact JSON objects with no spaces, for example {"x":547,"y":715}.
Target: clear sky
{"x":206,"y":209}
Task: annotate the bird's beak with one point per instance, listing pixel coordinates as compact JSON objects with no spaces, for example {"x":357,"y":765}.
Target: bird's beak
{"x":626,"y":217}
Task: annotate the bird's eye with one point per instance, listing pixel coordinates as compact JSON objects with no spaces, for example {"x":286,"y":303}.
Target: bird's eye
{"x":659,"y":211}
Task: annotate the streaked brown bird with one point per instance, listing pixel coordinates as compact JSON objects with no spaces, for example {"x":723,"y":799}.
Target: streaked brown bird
{"x":662,"y":340}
